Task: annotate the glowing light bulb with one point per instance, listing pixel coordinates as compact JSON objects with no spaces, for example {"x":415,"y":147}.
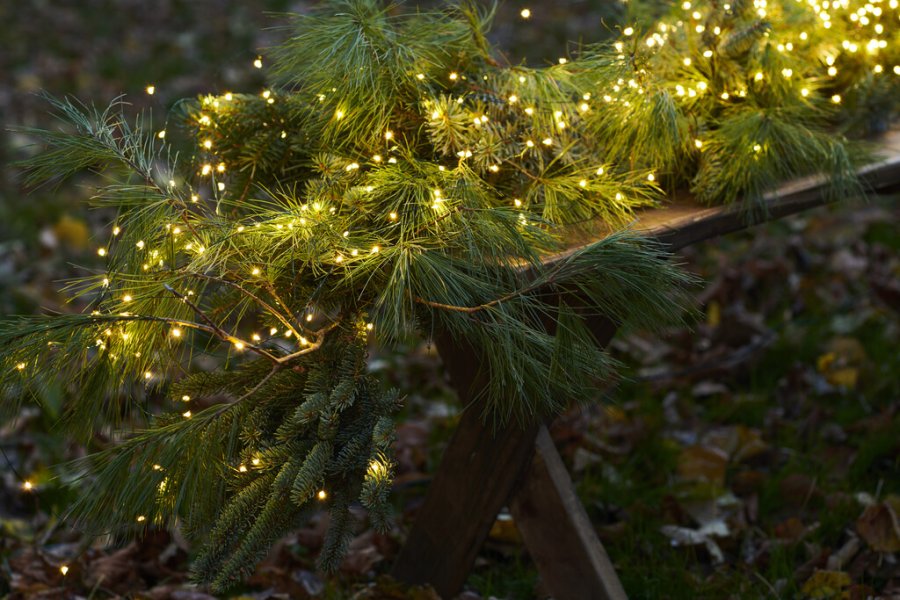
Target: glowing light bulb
{"x":525,"y":13}
{"x":27,"y":485}
{"x":258,"y":62}
{"x":141,"y":518}
{"x":388,"y":135}
{"x":377,"y":469}
{"x":101,"y":251}
{"x":126,"y":298}
{"x":64,"y":569}
{"x":187,"y":414}
{"x":628,"y":31}
{"x":176,"y":333}
{"x":322,"y":495}
{"x":698,"y":143}
{"x":162,"y":134}
{"x":836,"y":98}
{"x":454,"y":76}
{"x":151,"y":89}
{"x":255,"y":271}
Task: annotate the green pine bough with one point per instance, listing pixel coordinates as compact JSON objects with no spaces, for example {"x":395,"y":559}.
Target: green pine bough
{"x":399,"y":180}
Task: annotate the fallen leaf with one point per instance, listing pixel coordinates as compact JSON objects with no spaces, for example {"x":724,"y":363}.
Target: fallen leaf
{"x":879,"y":527}
{"x":791,"y":529}
{"x":825,"y":584}
{"x":684,"y":536}
{"x":703,"y":463}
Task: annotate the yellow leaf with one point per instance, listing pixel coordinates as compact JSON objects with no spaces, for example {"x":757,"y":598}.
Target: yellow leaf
{"x":843,"y":377}
{"x":825,"y":584}
{"x":72,"y":232}
{"x":713,"y":314}
{"x":825,"y":361}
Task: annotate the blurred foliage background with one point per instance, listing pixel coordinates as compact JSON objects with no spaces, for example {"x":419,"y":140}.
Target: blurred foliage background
{"x":756,"y":455}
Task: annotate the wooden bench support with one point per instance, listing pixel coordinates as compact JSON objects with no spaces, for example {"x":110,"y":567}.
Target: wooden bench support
{"x":484,"y":469}
{"x":558,"y":533}
{"x":477,"y":474}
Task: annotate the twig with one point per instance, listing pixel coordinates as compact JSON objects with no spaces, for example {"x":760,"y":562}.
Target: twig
{"x":550,"y":278}
{"x":210,"y":327}
{"x":265,"y":305}
{"x":312,"y":347}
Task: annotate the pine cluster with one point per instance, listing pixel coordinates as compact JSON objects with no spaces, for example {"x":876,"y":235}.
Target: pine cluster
{"x":397,"y":180}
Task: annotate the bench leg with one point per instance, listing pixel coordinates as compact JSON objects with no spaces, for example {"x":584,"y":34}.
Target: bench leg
{"x":557,"y":532}
{"x":475,"y":479}
{"x":477,"y":474}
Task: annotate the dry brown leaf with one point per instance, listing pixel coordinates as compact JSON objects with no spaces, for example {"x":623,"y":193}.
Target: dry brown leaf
{"x":879,"y":527}
{"x":702,"y":463}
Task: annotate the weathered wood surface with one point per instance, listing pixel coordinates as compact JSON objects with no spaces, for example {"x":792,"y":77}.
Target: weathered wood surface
{"x":483,"y":469}
{"x":474,"y":481}
{"x":557,"y":531}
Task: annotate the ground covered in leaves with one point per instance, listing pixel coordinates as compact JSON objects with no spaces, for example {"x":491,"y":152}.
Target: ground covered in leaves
{"x":754,"y":455}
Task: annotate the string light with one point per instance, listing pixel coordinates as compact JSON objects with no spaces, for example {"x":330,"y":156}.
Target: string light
{"x":525,"y":13}
{"x":64,"y":569}
{"x":150,"y":89}
{"x":258,"y":62}
{"x":322,"y":495}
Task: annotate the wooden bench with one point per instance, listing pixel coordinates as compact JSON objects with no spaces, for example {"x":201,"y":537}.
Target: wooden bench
{"x":483,"y":470}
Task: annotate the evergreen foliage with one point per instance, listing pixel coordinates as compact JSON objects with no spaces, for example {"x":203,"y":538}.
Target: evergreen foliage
{"x":400,"y":181}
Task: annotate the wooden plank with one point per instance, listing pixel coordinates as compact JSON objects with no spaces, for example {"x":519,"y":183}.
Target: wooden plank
{"x":558,"y":533}
{"x":683,"y":221}
{"x":480,"y":467}
{"x":478,"y":472}
{"x":476,"y":476}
